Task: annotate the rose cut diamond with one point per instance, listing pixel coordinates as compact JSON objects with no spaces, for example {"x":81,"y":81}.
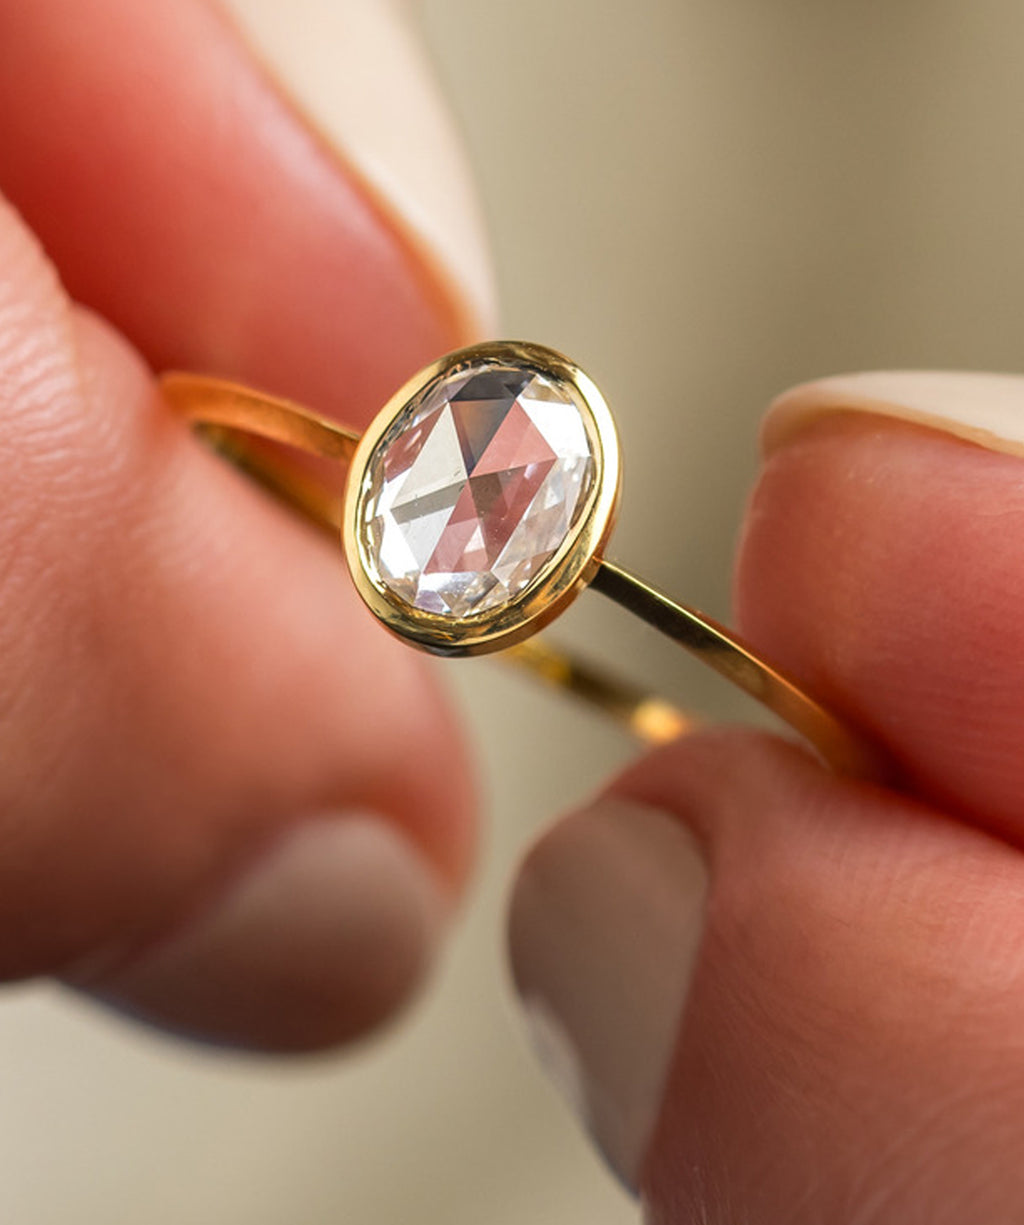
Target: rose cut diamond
{"x":474,"y":487}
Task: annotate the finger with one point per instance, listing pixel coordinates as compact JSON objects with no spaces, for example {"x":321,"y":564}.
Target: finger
{"x":881,"y":566}
{"x":776,"y":996}
{"x":187,"y":199}
{"x":187,"y":695}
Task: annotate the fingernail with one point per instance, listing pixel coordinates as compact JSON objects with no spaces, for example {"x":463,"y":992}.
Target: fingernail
{"x":605,"y":924}
{"x":987,"y":409}
{"x":357,"y":71}
{"x":322,"y":939}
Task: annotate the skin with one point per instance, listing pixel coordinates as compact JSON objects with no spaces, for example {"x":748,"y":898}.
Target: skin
{"x":169,"y":707}
{"x":147,"y":761}
{"x":851,"y":1048}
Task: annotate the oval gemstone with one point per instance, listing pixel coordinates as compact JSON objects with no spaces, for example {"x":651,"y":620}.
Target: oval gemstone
{"x":474,"y":487}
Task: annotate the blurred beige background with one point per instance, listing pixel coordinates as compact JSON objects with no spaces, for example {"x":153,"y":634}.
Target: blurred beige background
{"x":702,"y":201}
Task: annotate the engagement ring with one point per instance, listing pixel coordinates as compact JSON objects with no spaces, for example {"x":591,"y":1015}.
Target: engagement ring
{"x":476,"y":507}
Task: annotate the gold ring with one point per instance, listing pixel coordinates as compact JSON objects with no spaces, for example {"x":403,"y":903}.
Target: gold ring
{"x":476,"y":507}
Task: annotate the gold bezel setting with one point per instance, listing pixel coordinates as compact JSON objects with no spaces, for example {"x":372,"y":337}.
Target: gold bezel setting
{"x":558,"y":581}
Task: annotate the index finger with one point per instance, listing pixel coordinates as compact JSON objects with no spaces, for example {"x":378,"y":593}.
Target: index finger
{"x":185,"y":198}
{"x":882,"y":566}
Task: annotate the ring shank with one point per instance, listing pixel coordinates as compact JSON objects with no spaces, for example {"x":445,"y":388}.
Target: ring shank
{"x":730,"y":657}
{"x":233,"y":415}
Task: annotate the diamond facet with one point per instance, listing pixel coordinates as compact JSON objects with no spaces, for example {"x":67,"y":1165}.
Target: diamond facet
{"x":474,"y":487}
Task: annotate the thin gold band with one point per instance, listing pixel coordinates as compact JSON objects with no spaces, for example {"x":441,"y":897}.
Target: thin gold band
{"x":229,"y":411}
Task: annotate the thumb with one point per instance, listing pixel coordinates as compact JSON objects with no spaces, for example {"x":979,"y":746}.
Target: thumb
{"x":228,"y":803}
{"x":778,"y":996}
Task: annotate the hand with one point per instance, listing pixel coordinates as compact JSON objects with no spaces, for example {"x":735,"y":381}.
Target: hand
{"x":777,"y":996}
{"x":230,"y":804}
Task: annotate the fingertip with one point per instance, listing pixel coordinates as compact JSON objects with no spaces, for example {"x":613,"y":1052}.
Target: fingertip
{"x":203,"y":215}
{"x":879,"y":566}
{"x":608,"y":920}
{"x":184,"y":667}
{"x":359,"y":75}
{"x":980,"y":407}
{"x":604,"y":927}
{"x":793,"y":985}
{"x":319,"y":942}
